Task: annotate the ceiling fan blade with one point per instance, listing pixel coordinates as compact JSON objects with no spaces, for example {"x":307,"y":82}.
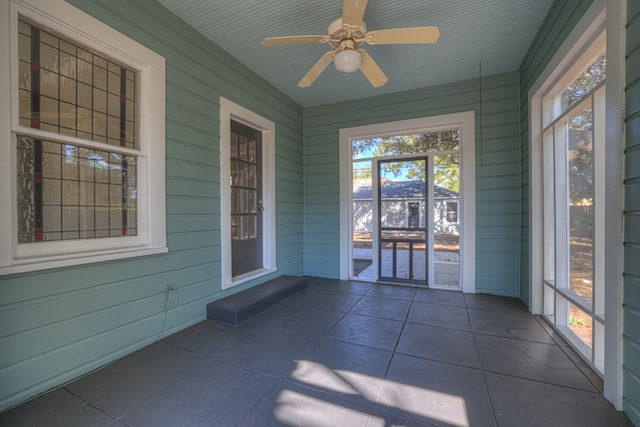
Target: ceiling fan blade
{"x":281,"y":41}
{"x":353,"y":12}
{"x":317,"y":69}
{"x":371,"y":71}
{"x":417,"y":35}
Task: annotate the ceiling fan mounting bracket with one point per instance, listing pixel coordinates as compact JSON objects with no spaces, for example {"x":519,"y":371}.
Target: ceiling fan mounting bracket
{"x":339,"y":32}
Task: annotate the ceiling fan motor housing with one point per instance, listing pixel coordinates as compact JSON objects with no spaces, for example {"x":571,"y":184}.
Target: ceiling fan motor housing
{"x":339,"y":32}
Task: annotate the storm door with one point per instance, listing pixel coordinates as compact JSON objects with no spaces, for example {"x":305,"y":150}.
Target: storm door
{"x":402,"y":205}
{"x":246,"y":199}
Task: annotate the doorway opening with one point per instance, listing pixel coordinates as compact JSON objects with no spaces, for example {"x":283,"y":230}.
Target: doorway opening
{"x":405,"y":208}
{"x":445,"y":147}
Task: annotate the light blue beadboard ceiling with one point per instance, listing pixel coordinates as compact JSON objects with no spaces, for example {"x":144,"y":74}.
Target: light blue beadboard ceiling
{"x":495,"y":33}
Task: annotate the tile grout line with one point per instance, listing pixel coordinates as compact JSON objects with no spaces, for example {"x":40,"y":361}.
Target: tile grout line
{"x":91,"y":405}
{"x":482,"y":370}
{"x":393,"y":353}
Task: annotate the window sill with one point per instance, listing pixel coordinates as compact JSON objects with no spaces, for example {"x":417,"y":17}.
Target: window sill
{"x":249,"y":276}
{"x":28,"y":265}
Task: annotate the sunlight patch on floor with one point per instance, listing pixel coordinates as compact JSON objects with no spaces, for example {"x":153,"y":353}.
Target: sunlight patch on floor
{"x":401,"y":398}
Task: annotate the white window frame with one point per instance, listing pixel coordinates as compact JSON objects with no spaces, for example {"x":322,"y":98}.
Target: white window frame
{"x":446,"y":211}
{"x":67,"y":20}
{"x":232,"y":111}
{"x":608,"y":16}
{"x":467,"y":213}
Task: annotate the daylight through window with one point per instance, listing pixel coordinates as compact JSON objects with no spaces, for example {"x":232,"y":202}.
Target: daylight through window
{"x":84,"y":190}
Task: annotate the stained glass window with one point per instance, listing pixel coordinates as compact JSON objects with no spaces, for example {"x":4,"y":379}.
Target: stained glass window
{"x":70,"y":191}
{"x":73,"y":91}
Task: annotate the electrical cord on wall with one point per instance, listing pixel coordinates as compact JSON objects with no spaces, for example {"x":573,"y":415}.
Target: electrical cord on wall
{"x":481,"y":115}
{"x":166,"y":312}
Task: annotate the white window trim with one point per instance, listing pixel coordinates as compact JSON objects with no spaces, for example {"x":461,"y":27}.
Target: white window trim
{"x":608,"y":15}
{"x":232,"y":111}
{"x":446,"y":211}
{"x":66,"y":19}
{"x":467,"y":213}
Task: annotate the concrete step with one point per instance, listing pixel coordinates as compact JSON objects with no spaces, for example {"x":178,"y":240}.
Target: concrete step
{"x":241,"y":306}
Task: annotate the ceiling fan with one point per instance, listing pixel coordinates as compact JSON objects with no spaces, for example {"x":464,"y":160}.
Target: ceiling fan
{"x":346,"y":35}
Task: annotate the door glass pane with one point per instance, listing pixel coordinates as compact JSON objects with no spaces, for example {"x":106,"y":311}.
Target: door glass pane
{"x":362,"y":217}
{"x":242,"y":174}
{"x":243,"y":201}
{"x":234,"y":200}
{"x":402,"y":260}
{"x":251,"y":176}
{"x":252,"y":151}
{"x":580,"y":171}
{"x":249,"y":228}
{"x":403,"y":201}
{"x":446,"y":201}
{"x":386,"y":259}
{"x":419,"y":261}
{"x":235,"y":177}
{"x":252,"y":202}
{"x":242,"y":148}
{"x":234,"y":145}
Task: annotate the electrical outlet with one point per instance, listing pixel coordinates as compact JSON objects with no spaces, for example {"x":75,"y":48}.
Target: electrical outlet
{"x":172,"y":297}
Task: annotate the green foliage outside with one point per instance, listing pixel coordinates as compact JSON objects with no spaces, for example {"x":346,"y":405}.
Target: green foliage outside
{"x":446,"y":166}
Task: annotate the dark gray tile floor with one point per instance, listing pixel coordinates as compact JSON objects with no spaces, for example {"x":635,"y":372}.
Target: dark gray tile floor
{"x":344,"y":354}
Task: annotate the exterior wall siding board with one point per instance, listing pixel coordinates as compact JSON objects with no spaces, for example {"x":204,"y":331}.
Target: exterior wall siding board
{"x":632,"y":127}
{"x":58,"y":324}
{"x":501,"y":156}
{"x":632,"y":202}
{"x":631,"y":334}
{"x":198,"y":239}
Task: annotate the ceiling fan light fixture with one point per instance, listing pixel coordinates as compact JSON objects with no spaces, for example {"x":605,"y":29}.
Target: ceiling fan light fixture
{"x":347,"y":61}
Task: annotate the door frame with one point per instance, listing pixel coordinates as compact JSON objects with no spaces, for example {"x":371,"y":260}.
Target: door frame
{"x":228,"y":111}
{"x":467,"y":207}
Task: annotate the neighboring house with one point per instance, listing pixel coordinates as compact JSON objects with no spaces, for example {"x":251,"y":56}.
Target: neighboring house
{"x":403,"y":205}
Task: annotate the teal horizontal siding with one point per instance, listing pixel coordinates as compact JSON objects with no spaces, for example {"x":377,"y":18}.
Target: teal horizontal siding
{"x":497,"y":170}
{"x":631,"y":335}
{"x":58,"y":324}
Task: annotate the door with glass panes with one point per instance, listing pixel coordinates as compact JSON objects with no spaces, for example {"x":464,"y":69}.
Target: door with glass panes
{"x":246,"y":199}
{"x":402,"y":220}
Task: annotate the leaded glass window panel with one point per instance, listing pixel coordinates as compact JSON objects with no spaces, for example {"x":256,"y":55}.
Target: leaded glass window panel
{"x":69,"y":90}
{"x":70,"y":192}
